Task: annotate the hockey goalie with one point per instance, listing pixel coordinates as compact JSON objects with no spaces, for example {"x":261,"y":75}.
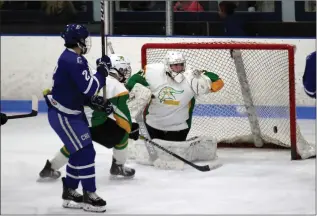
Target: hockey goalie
{"x":162,"y":99}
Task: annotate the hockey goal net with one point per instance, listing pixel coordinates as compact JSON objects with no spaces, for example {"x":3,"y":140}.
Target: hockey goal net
{"x":256,"y":106}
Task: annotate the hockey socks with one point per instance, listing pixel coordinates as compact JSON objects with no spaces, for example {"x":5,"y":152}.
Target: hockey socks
{"x":120,"y":155}
{"x":60,"y":159}
{"x":81,"y":167}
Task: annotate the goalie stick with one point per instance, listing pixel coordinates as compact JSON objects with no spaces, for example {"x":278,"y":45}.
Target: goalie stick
{"x":32,"y":113}
{"x":145,"y":134}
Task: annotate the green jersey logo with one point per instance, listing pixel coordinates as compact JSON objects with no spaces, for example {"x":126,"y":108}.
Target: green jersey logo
{"x":166,"y":95}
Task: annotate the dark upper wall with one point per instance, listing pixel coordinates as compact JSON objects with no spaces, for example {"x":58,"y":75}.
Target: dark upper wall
{"x":22,"y":17}
{"x":260,"y":29}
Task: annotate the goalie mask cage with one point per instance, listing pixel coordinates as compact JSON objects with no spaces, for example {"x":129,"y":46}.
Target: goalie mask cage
{"x":256,"y":107}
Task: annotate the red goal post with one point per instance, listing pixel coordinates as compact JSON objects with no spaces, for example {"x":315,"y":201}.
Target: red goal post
{"x":248,"y":70}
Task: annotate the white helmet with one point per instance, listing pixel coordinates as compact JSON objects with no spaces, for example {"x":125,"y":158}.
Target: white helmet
{"x":120,"y":67}
{"x":175,"y":65}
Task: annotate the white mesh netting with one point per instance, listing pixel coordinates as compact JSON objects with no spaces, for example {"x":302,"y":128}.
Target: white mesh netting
{"x":223,"y":114}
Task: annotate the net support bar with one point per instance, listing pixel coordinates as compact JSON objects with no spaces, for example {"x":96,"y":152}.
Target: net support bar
{"x":247,"y":97}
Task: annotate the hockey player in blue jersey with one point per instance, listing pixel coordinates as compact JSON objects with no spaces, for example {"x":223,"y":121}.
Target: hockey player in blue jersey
{"x":72,"y":83}
{"x":309,"y":78}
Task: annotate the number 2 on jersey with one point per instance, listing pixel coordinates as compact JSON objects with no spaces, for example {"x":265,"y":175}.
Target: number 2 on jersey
{"x":86,"y":74}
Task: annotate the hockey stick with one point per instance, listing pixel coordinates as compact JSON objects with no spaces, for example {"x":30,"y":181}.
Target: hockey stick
{"x":31,"y":114}
{"x":102,"y":28}
{"x":203,"y":168}
{"x":103,"y":42}
{"x":150,"y":148}
{"x":109,"y":45}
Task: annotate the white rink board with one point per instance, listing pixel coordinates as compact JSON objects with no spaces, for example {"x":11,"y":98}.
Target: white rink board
{"x":29,"y":70}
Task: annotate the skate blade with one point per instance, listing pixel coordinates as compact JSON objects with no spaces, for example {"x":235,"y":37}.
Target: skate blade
{"x":46,"y":179}
{"x":120,"y":177}
{"x":91,"y":208}
{"x":72,"y":205}
{"x":49,"y":178}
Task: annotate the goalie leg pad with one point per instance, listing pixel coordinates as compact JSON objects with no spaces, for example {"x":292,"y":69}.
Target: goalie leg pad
{"x":139,"y":97}
{"x":195,"y":149}
{"x":138,"y":152}
{"x":204,"y":150}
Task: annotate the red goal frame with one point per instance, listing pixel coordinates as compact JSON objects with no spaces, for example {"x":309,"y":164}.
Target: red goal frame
{"x":243,"y":46}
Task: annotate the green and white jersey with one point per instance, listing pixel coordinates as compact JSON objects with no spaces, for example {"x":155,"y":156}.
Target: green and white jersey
{"x":172,"y":107}
{"x":118,"y":95}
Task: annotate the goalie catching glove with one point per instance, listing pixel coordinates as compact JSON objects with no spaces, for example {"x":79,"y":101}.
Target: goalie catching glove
{"x":203,"y":82}
{"x":198,"y":82}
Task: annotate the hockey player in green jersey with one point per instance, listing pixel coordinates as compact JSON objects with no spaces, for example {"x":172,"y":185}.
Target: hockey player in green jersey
{"x":110,"y":124}
{"x":174,"y":86}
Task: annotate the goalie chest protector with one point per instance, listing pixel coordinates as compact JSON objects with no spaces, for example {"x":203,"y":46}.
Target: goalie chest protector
{"x":169,"y":109}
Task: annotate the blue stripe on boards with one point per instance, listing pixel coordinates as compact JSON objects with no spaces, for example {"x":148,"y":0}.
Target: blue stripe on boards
{"x":202,"y":110}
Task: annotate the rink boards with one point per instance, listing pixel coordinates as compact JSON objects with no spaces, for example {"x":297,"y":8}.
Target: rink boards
{"x":201,"y":110}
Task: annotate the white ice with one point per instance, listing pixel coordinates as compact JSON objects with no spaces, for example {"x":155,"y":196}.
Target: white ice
{"x":250,"y":181}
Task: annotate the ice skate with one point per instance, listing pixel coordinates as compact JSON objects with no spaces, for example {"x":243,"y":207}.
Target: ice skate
{"x":93,"y":203}
{"x":119,"y":170}
{"x":71,"y":198}
{"x":48,"y":173}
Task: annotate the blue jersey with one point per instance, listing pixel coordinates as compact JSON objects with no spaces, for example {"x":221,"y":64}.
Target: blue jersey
{"x":309,"y":78}
{"x":73,"y":82}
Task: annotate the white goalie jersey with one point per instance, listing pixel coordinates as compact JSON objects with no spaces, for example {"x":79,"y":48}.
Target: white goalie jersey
{"x":171,"y":102}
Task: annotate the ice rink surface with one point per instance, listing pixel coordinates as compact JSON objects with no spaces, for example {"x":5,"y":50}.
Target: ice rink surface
{"x":249,"y":182}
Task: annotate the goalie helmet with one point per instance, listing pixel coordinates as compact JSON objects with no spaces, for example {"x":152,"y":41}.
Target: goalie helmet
{"x":121,"y":67}
{"x":175,"y":65}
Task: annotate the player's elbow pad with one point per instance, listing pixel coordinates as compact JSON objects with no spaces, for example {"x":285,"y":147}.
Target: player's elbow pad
{"x":94,"y":85}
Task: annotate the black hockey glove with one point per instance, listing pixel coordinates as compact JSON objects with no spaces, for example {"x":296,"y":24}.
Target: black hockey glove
{"x":134,"y":134}
{"x":97,"y":103}
{"x":103,"y":65}
{"x":4,"y":118}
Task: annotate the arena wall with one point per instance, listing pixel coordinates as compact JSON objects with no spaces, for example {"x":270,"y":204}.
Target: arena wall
{"x":27,"y":64}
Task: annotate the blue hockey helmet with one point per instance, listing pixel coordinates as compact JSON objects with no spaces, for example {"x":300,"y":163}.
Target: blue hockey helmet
{"x":77,"y":35}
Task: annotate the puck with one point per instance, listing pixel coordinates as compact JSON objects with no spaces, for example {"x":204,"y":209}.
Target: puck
{"x":275,"y":129}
